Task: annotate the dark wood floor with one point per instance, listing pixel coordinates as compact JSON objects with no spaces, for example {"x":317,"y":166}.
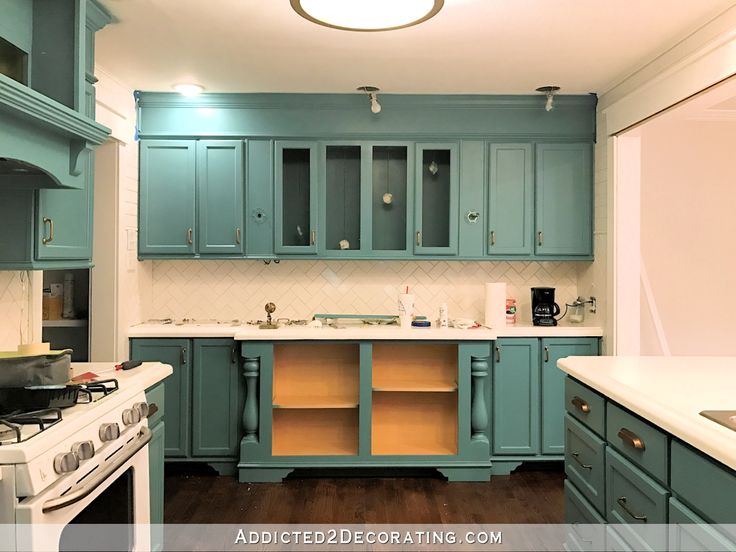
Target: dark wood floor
{"x":532,"y":495}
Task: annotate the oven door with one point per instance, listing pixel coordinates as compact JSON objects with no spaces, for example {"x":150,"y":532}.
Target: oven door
{"x":106,"y":510}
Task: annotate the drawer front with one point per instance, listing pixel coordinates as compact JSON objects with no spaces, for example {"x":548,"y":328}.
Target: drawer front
{"x":586,"y":405}
{"x":155,"y":397}
{"x":586,"y":527}
{"x":585,"y":462}
{"x":708,"y":487}
{"x":642,"y":443}
{"x":636,"y":502}
{"x":688,"y":531}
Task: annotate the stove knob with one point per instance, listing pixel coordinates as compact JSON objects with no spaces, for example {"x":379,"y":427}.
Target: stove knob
{"x":84,"y":450}
{"x":131,"y":416}
{"x":65,"y":462}
{"x":109,"y":432}
{"x":142,"y":409}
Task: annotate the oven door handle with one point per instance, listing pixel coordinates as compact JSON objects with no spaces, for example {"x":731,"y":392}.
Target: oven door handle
{"x":144,"y":437}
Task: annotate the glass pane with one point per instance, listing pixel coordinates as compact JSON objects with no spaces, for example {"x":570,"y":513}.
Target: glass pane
{"x":436,"y":198}
{"x":389,"y":198}
{"x":296,"y":195}
{"x":13,"y":62}
{"x":343,"y":197}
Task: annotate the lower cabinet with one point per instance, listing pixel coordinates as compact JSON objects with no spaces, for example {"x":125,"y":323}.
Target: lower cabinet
{"x":155,"y":399}
{"x":527,"y":394}
{"x":204,"y":398}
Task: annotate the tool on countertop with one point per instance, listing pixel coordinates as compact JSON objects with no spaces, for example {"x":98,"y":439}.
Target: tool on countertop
{"x":269,"y":325}
{"x":128,"y":365}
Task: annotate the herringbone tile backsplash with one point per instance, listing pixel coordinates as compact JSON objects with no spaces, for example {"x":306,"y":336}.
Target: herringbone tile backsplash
{"x":13,"y":310}
{"x":239,"y":289}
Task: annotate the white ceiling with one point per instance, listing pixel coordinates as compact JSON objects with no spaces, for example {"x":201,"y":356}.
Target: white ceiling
{"x":471,"y":46}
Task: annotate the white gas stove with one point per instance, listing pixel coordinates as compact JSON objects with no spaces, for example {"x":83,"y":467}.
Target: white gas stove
{"x":89,"y":466}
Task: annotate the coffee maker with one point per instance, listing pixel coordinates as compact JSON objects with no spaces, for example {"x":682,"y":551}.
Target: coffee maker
{"x":544,"y":308}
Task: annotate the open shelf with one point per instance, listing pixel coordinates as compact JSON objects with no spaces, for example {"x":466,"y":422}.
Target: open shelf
{"x":411,"y":423}
{"x":315,"y":432}
{"x":65,"y":323}
{"x":316,"y":376}
{"x":414,"y":367}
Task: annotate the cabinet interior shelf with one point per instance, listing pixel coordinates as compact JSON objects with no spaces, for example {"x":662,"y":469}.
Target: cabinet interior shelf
{"x":310,"y":401}
{"x":65,"y":323}
{"x":315,"y":432}
{"x":416,"y":387}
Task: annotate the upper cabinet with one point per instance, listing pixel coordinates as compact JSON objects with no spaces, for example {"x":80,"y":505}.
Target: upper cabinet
{"x":436,"y":201}
{"x":391,"y":197}
{"x":564,"y":199}
{"x":296,"y":197}
{"x":341,"y":204}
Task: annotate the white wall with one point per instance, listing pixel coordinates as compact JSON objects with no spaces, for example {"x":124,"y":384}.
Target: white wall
{"x":688,"y":236}
{"x":14,"y":310}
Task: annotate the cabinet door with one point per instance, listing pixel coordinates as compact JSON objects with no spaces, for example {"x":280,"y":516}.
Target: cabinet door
{"x":343,"y":195}
{"x":64,"y":220}
{"x":220,"y":196}
{"x":167,"y":191}
{"x":516,"y":396}
{"x":296,"y":197}
{"x":217,"y":395}
{"x":156,"y":483}
{"x":175,"y":352}
{"x":436,"y":200}
{"x":510,"y":199}
{"x":553,"y":387}
{"x":564,"y":199}
{"x":392,"y":167}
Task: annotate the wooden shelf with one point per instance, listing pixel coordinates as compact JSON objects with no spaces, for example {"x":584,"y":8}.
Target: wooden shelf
{"x":315,"y":432}
{"x":414,"y":423}
{"x":310,"y":401}
{"x":422,"y":367}
{"x":65,"y":323}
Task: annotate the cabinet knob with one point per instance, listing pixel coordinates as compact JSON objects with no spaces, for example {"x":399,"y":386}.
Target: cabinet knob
{"x":580,"y":404}
{"x":50,"y":237}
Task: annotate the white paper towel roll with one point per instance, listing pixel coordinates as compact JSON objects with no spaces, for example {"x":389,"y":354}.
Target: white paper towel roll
{"x":495,"y":304}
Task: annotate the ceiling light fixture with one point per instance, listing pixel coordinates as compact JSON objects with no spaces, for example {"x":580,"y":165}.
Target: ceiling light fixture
{"x":549,"y":91}
{"x":189,"y":89}
{"x":373,"y":96}
{"x":367,"y":15}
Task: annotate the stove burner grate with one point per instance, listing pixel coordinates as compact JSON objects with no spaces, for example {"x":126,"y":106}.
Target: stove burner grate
{"x":42,"y":418}
{"x":105,"y":386}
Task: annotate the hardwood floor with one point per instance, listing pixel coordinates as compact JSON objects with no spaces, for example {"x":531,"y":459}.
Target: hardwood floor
{"x":533,"y":495}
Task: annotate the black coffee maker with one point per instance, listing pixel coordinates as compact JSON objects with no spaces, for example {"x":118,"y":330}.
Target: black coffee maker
{"x":544,"y":308}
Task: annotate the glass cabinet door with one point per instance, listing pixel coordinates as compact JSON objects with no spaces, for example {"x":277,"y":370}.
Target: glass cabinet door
{"x":390,"y":198}
{"x":342,"y":202}
{"x":436,"y":218}
{"x":296,"y":197}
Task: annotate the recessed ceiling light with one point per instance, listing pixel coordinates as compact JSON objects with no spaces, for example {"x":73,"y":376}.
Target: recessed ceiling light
{"x":367,"y":15}
{"x":188,"y":89}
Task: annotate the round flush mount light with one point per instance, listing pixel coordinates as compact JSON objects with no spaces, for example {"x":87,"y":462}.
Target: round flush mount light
{"x":367,"y":15}
{"x":189,"y":89}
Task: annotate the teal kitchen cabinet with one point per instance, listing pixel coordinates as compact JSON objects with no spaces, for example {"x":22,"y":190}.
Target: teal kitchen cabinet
{"x":156,"y":484}
{"x":177,"y":391}
{"x":553,"y":387}
{"x":167,"y":197}
{"x":217,"y":398}
{"x":392,"y":198}
{"x":296,"y":198}
{"x":259,"y":199}
{"x":528,"y":398}
{"x":516,"y":396}
{"x":436,"y":199}
{"x":510,"y":200}
{"x":204,"y":398}
{"x":220,"y":197}
{"x":344,"y":167}
{"x":564,"y":200}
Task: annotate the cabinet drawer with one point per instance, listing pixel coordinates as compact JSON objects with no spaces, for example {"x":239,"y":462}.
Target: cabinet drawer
{"x":637,"y":502}
{"x":688,"y":531}
{"x":704,"y":484}
{"x":585,"y":461}
{"x":640,"y":442}
{"x":155,"y":397}
{"x":586,"y":405}
{"x":580,"y":515}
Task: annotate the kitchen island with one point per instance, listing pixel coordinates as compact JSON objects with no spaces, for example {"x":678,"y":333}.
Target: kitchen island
{"x":468,"y":403}
{"x":638,"y":451}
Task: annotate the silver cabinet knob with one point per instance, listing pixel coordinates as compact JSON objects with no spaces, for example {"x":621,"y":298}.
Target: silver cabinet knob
{"x":109,"y":432}
{"x":84,"y":449}
{"x":142,"y":409}
{"x":65,"y":462}
{"x":131,"y":416}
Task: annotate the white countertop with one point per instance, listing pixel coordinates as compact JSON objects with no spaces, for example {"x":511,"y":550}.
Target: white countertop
{"x":252,"y":333}
{"x":670,"y":392}
{"x":131,"y":381}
